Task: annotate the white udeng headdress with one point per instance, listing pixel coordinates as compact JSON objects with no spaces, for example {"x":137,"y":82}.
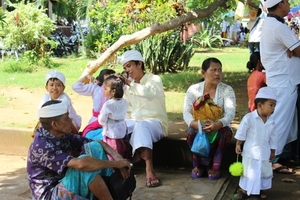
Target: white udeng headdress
{"x":53,"y":110}
{"x":271,"y":3}
{"x":56,"y":74}
{"x":130,"y":55}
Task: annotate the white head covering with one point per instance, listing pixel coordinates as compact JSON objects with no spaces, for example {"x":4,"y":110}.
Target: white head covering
{"x":55,"y":74}
{"x":266,"y":93}
{"x":131,"y":55}
{"x":271,"y":3}
{"x":53,"y":110}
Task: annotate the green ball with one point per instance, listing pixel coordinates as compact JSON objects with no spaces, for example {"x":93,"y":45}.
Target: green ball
{"x":236,"y":169}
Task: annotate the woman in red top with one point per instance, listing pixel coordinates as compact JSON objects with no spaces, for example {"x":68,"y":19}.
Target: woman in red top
{"x":256,"y":80}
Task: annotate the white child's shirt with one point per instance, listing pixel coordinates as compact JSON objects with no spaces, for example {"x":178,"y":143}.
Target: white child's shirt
{"x":94,"y":90}
{"x":112,"y":118}
{"x":259,"y":137}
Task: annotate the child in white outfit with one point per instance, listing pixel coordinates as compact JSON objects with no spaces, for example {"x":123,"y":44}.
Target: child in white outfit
{"x":55,"y":86}
{"x":112,"y":115}
{"x":257,"y":131}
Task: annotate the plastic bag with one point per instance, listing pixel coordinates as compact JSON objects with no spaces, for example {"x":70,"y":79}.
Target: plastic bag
{"x":201,"y":144}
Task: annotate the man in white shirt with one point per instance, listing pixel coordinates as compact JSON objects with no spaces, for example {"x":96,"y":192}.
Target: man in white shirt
{"x":146,"y":99}
{"x":280,"y":51}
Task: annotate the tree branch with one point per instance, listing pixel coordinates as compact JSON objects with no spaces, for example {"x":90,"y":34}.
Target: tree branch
{"x":127,"y":40}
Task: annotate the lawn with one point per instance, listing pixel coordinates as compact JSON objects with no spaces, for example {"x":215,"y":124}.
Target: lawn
{"x":234,"y":61}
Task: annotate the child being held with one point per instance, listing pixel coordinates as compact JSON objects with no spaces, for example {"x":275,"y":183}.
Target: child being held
{"x":258,"y":133}
{"x":112,"y":114}
{"x":55,"y":86}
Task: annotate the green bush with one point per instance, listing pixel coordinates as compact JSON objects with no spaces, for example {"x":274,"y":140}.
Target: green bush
{"x":12,"y":66}
{"x":165,"y":53}
{"x":28,"y":27}
{"x":206,"y":38}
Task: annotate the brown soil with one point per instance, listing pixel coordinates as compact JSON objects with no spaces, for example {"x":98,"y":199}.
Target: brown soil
{"x":18,"y":106}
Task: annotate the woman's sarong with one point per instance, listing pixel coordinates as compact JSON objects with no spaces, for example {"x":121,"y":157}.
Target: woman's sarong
{"x":205,"y":110}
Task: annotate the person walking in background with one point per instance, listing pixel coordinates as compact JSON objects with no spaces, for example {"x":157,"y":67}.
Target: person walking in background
{"x":214,"y":97}
{"x":280,"y":52}
{"x":147,"y":111}
{"x":55,"y":86}
{"x":256,"y":80}
{"x":88,"y":86}
{"x":112,"y":115}
{"x":255,"y":30}
{"x":257,"y":133}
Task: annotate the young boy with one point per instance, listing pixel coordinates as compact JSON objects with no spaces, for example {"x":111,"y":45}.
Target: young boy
{"x":257,"y":131}
{"x":55,"y":86}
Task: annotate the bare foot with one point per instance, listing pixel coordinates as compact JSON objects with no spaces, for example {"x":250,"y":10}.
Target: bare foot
{"x":280,"y":169}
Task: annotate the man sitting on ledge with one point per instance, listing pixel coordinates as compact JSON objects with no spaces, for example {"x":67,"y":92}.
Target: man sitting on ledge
{"x":54,"y":173}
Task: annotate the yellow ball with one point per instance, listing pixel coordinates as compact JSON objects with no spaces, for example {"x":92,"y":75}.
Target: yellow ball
{"x":236,"y":169}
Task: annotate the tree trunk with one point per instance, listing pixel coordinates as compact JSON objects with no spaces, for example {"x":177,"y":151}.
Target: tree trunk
{"x":127,"y":40}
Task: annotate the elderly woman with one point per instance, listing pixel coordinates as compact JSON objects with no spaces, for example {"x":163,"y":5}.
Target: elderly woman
{"x":213,"y":104}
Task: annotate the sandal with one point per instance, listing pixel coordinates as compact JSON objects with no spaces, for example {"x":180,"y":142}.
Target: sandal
{"x":262,"y":195}
{"x":214,"y":175}
{"x":241,"y":194}
{"x":152,"y":182}
{"x":197,"y":172}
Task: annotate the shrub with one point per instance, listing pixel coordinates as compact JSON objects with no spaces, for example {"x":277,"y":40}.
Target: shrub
{"x":165,"y":53}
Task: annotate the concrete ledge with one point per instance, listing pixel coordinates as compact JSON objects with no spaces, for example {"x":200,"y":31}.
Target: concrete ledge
{"x":15,"y":141}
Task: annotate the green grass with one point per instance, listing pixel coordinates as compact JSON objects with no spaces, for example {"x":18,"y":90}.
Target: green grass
{"x":234,"y":61}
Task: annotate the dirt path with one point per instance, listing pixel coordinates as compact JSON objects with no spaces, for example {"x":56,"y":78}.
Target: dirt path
{"x":18,"y":107}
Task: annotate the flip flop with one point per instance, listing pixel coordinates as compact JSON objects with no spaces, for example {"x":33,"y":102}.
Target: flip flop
{"x":283,"y":170}
{"x":149,"y":183}
{"x":214,"y":175}
{"x":199,"y":173}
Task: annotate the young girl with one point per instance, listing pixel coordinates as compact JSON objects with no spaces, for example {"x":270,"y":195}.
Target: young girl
{"x":256,"y":80}
{"x":55,"y":86}
{"x":95,"y":89}
{"x":257,"y":131}
{"x":112,"y":114}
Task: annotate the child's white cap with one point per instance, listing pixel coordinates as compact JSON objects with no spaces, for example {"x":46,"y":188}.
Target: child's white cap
{"x":131,"y":55}
{"x":266,"y":93}
{"x":56,"y":74}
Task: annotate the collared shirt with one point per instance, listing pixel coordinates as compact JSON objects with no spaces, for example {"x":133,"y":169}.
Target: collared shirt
{"x":146,"y":100}
{"x":255,"y":33}
{"x":47,"y":160}
{"x":276,"y":39}
{"x":259,"y":137}
{"x":224,"y":97}
{"x":76,"y":119}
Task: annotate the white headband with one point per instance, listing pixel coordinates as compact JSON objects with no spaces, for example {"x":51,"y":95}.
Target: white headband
{"x":53,"y":110}
{"x":271,"y":3}
{"x":56,"y":74}
{"x":130,"y":55}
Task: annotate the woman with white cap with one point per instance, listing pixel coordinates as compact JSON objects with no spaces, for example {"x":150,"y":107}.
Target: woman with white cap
{"x":146,"y":99}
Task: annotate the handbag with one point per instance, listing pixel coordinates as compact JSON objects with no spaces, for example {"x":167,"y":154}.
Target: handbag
{"x":120,"y":188}
{"x":201,"y":144}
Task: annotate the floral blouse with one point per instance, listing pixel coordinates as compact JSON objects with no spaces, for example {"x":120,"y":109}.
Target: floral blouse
{"x":224,"y":97}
